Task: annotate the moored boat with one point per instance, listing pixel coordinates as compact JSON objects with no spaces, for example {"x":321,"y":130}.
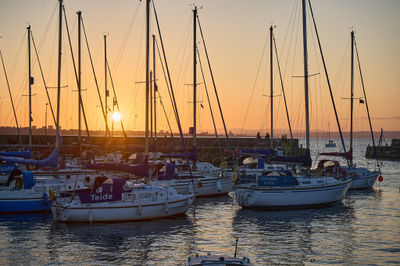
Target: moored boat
{"x":280,"y":189}
{"x":24,"y":193}
{"x":112,"y":199}
{"x":209,"y":259}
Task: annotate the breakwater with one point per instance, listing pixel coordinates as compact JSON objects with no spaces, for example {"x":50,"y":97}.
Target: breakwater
{"x":208,"y":148}
{"x":387,"y":152}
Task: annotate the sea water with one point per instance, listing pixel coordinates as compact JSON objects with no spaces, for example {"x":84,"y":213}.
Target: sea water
{"x":363,"y":229}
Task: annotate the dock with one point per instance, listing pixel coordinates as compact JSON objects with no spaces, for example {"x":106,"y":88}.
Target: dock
{"x":386,"y":152}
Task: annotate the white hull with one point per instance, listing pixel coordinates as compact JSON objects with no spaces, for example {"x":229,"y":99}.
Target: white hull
{"x":143,"y":202}
{"x":201,"y":186}
{"x":106,"y":212}
{"x":365,"y":181}
{"x":291,"y":197}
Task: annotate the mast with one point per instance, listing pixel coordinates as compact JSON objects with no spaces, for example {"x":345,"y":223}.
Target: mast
{"x":272,"y":88}
{"x":30,"y":86}
{"x":154,"y":88}
{"x":351,"y":98}
{"x":151,"y":105}
{"x":146,"y":141}
{"x":45,"y":121}
{"x":105,"y":81}
{"x":12,"y":101}
{"x":366,"y":104}
{"x":194,"y":76}
{"x":303,"y":3}
{"x":59,"y":83}
{"x":79,"y":76}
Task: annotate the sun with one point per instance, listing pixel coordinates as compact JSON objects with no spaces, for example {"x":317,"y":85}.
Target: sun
{"x":116,"y":116}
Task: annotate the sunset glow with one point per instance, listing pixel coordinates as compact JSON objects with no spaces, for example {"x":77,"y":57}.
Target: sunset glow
{"x":236,"y":41}
{"x":116,"y":116}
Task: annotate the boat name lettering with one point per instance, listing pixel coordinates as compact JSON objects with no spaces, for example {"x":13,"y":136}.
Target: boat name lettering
{"x":106,"y":196}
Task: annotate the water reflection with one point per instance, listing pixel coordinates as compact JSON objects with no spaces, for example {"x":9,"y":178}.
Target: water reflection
{"x":297,"y":236}
{"x":18,"y":234}
{"x":120,"y":243}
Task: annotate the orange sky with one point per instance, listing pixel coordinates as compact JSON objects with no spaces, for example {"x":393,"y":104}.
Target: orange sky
{"x":236,"y":36}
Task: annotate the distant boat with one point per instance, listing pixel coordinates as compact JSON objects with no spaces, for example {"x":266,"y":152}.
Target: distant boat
{"x":330,"y":144}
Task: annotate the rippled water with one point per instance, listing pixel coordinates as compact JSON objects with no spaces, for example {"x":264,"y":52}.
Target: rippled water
{"x":363,"y":229}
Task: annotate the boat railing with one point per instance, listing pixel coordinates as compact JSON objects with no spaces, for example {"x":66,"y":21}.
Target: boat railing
{"x":245,"y":178}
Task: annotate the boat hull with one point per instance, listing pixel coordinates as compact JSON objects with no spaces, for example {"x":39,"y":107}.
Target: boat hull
{"x":365,"y":181}
{"x":36,"y":199}
{"x":202,"y":187}
{"x":24,"y":205}
{"x":284,"y":197}
{"x":112,"y":212}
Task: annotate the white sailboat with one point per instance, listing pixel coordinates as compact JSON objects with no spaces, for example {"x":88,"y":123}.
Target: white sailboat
{"x":113,"y":199}
{"x":282,"y":189}
{"x":24,"y":191}
{"x":201,"y":183}
{"x":363,"y":178}
{"x":116,"y":200}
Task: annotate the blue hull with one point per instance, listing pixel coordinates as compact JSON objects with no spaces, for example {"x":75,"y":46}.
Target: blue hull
{"x":23,"y":206}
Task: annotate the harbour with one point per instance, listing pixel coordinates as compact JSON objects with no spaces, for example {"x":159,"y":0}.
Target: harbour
{"x":363,"y":229}
{"x":168,"y":167}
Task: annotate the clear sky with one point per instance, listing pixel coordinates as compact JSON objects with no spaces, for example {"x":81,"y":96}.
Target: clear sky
{"x":236,"y":33}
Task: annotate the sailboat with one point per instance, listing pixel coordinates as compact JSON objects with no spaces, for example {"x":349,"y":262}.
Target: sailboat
{"x":202,"y":184}
{"x":283,"y":189}
{"x":113,"y":199}
{"x":363,"y":177}
{"x":331,"y":143}
{"x":25,"y":192}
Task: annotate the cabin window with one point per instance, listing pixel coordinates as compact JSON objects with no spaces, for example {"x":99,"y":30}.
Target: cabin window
{"x":145,"y":196}
{"x":38,"y":189}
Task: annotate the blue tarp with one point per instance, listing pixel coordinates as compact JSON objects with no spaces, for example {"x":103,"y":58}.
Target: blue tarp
{"x":169,"y":172}
{"x":51,"y":161}
{"x":29,"y":179}
{"x":112,"y":189}
{"x":27,"y":154}
{"x":260,"y":163}
{"x":140,"y":170}
{"x":192,"y":155}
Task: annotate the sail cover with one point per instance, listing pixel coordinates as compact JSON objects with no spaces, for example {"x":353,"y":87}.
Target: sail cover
{"x":140,"y":170}
{"x":348,"y":155}
{"x":51,"y":161}
{"x":27,"y":154}
{"x":192,"y":155}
